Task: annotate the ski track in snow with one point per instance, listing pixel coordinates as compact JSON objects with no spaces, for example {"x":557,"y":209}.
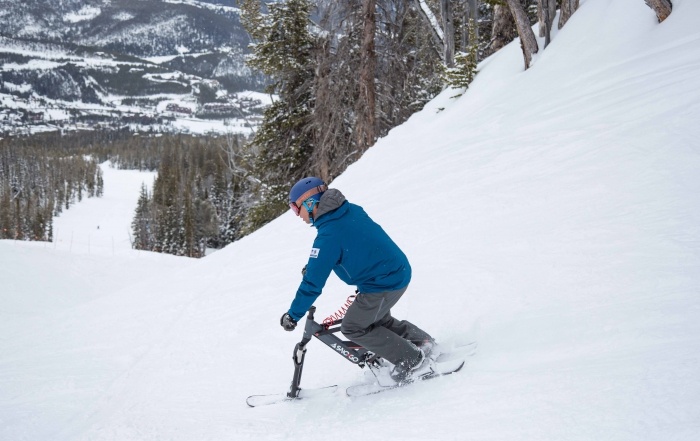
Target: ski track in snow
{"x":553,"y":215}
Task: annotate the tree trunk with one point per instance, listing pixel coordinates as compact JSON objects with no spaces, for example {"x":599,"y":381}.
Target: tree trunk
{"x":448,"y":32}
{"x":471,"y":12}
{"x":528,"y":42}
{"x":366,"y":121}
{"x":431,"y":21}
{"x":503,"y":29}
{"x":661,"y":7}
{"x":568,"y":7}
{"x":474,"y":15}
{"x":546,"y":10}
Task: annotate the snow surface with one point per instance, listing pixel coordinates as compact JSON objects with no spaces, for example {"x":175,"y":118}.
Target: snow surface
{"x":553,"y":215}
{"x":103,"y":225}
{"x":85,"y":13}
{"x":205,"y":5}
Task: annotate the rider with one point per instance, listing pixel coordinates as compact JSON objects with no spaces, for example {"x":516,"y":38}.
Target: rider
{"x":360,"y":253}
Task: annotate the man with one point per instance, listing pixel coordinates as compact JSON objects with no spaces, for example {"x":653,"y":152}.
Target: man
{"x":360,"y":253}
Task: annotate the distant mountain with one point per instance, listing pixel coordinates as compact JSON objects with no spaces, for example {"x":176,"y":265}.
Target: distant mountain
{"x":134,"y":27}
{"x":104,"y":59}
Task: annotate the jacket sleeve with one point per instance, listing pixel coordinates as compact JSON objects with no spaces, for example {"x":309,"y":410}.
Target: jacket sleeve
{"x":324,"y":255}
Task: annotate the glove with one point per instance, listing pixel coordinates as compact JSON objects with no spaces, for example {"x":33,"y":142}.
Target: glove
{"x":287,"y":322}
{"x":303,"y":271}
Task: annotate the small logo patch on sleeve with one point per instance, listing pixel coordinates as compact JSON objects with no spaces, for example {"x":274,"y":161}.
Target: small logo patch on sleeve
{"x":314,"y":252}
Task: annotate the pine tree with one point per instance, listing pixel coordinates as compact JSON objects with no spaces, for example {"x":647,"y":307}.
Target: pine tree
{"x":100,"y":190}
{"x":284,"y":141}
{"x":18,"y":233}
{"x":464,"y":71}
{"x":142,"y":224}
{"x":6,"y":226}
{"x":189,"y":241}
{"x":206,"y":223}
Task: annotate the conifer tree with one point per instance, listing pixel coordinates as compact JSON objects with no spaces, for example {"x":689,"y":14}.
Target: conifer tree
{"x":189,"y":244}
{"x":464,"y":71}
{"x":6,"y":227}
{"x":284,"y":141}
{"x":142,"y":224}
{"x":205,"y":223}
{"x":100,"y":190}
{"x":19,"y":232}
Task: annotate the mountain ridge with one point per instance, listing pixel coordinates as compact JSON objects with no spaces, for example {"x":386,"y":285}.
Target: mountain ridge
{"x":126,"y":57}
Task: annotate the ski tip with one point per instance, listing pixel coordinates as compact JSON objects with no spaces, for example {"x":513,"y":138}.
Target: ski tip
{"x":264,"y":400}
{"x":360,"y":390}
{"x":459,"y":368}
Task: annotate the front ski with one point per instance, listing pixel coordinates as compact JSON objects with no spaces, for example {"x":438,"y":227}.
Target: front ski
{"x":264,"y":400}
{"x":443,"y":368}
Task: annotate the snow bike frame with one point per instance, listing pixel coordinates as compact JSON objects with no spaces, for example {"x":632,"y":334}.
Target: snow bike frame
{"x":349,"y":350}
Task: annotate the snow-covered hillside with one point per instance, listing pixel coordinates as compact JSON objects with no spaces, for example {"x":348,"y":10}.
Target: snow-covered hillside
{"x":86,"y":64}
{"x":553,"y":215}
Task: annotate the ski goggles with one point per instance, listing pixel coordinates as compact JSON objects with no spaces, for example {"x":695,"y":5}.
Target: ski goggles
{"x":294,"y":207}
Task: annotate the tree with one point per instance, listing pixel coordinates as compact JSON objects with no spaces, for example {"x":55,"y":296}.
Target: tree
{"x":464,"y":71}
{"x":206,"y":92}
{"x":662,"y":8}
{"x":143,"y":223}
{"x":471,"y":12}
{"x":190,"y":245}
{"x":528,"y":42}
{"x":433,"y":26}
{"x":568,"y":7}
{"x":332,"y":126}
{"x":503,"y":30}
{"x":252,"y":19}
{"x":546,"y":10}
{"x":206,"y":223}
{"x":6,"y":225}
{"x":284,"y":141}
{"x":36,"y":182}
{"x":448,"y":32}
{"x":367,"y":67}
{"x":365,"y":128}
{"x":100,"y":190}
{"x":409,"y":67}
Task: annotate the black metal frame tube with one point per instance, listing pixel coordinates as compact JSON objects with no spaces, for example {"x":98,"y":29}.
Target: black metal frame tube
{"x":349,"y":350}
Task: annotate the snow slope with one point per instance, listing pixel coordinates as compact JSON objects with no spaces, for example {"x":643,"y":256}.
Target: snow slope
{"x":103,"y":225}
{"x":553,"y":215}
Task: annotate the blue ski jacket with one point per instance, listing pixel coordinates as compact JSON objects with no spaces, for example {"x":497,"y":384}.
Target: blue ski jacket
{"x":352,"y":245}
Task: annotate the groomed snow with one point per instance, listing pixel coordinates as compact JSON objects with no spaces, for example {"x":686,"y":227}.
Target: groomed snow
{"x":553,"y":215}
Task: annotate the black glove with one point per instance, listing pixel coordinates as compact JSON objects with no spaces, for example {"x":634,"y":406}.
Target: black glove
{"x":287,"y":322}
{"x":303,"y":271}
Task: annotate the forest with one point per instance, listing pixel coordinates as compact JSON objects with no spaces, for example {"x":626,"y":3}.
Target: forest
{"x":198,"y":198}
{"x":343,"y":74}
{"x":38,"y":180}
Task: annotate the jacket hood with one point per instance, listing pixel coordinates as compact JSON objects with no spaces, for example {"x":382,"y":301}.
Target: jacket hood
{"x":331,"y":200}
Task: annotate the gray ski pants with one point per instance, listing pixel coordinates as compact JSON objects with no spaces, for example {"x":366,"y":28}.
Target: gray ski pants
{"x":368,"y":322}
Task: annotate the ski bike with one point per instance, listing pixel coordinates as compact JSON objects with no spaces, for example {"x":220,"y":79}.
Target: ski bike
{"x":355,"y":354}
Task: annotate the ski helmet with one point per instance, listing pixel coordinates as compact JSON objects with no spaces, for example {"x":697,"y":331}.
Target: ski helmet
{"x":310,"y":187}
